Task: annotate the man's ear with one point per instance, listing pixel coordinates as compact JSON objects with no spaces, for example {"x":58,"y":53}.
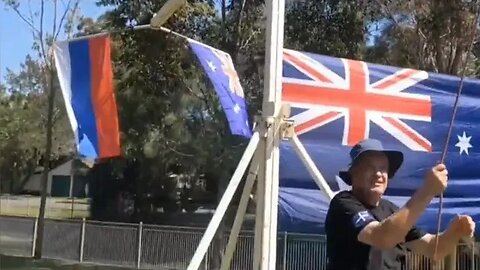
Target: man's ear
{"x":350,"y":173}
{"x":353,"y":168}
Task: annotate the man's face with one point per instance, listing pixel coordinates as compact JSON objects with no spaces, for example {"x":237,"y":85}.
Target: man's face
{"x":370,"y":173}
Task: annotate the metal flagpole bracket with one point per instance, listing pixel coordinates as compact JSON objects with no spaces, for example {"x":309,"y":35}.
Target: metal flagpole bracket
{"x":263,"y":125}
{"x":287,"y":124}
{"x":282,"y":121}
{"x":288,"y":129}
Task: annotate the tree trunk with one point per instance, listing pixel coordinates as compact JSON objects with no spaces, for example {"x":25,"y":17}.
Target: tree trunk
{"x":46,"y":165}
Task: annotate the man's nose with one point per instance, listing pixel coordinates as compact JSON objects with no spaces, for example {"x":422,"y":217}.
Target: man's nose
{"x":381,"y":174}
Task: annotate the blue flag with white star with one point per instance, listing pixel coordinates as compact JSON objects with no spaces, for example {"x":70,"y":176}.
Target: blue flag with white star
{"x":338,"y":102}
{"x":220,"y":69}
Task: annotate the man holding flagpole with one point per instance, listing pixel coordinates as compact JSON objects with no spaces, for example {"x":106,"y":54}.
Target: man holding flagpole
{"x":367,"y":232}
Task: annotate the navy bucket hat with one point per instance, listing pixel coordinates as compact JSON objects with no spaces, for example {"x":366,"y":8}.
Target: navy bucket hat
{"x":395,"y":158}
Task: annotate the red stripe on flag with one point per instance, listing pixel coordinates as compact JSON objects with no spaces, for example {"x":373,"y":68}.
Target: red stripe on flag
{"x":328,"y":96}
{"x":409,"y":133}
{"x":357,"y":125}
{"x":398,"y":77}
{"x":320,"y":120}
{"x":311,"y":71}
{"x":103,"y":97}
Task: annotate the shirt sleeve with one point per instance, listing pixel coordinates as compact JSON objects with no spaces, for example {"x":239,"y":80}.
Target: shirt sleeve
{"x":414,"y":234}
{"x":351,"y":213}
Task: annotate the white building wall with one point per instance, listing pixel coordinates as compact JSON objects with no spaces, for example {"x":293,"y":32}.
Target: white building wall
{"x":34,"y":183}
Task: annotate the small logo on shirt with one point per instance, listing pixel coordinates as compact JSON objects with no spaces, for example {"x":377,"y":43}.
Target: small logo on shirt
{"x":362,"y":218}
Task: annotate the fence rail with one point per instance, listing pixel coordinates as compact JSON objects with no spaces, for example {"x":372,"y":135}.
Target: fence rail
{"x":163,"y":247}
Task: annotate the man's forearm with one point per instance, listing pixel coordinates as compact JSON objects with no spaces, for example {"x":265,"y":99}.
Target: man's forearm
{"x":397,"y":225}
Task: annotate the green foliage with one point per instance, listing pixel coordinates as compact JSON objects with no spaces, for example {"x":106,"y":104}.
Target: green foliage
{"x":335,"y":28}
{"x":23,"y":107}
{"x":429,"y":35}
{"x":163,"y":86}
{"x":170,"y":118}
{"x":35,"y":128}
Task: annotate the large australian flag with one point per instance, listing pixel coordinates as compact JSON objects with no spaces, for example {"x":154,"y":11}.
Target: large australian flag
{"x":338,"y":102}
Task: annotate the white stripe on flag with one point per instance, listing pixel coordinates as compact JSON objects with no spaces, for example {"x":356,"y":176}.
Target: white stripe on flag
{"x":64,"y":71}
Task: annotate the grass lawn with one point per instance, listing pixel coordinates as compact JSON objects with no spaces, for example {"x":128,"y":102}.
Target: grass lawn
{"x":56,"y":208}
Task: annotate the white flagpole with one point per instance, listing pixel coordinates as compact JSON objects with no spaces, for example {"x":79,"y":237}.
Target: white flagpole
{"x":311,"y":167}
{"x":224,"y":202}
{"x":268,"y":181}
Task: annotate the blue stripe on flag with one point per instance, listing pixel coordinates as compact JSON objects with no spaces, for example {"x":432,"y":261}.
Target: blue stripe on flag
{"x":81,"y":97}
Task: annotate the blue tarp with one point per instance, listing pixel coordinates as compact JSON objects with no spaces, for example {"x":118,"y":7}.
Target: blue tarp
{"x":336,"y":102}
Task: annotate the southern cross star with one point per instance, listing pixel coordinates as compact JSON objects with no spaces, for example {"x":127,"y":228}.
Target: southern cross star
{"x":464,"y":143}
{"x":212,"y":66}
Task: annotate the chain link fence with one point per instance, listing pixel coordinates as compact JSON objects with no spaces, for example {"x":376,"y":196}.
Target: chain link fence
{"x":17,"y":236}
{"x":164,"y":247}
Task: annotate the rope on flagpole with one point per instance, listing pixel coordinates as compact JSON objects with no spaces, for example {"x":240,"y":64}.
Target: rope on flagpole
{"x":138,"y":27}
{"x":450,"y":127}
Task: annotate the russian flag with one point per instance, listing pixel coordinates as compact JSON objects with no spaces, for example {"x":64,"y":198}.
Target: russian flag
{"x":86,"y":78}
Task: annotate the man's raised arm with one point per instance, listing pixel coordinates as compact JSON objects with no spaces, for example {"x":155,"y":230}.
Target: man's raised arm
{"x":392,"y":230}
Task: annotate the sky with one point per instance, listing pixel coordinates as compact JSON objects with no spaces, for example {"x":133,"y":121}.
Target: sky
{"x":16,"y":37}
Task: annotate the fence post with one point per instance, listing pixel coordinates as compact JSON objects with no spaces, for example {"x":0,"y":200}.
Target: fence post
{"x":82,"y":240}
{"x":8,"y":203}
{"x":28,"y":206}
{"x":285,"y":241}
{"x":34,"y":240}
{"x":139,"y":254}
{"x":206,"y":262}
{"x":451,"y":260}
{"x":473,"y":262}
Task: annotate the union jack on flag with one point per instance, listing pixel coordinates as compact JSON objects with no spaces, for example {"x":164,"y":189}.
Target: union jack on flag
{"x":327,"y":96}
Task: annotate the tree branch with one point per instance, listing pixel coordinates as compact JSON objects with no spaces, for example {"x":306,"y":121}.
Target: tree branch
{"x":29,"y":23}
{"x":41,"y":41}
{"x":54,"y":18}
{"x":389,"y":14}
{"x":64,"y":15}
{"x":239,"y":29}
{"x":176,"y":151}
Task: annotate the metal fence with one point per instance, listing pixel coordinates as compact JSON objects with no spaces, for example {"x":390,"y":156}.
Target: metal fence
{"x":162,"y":247}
